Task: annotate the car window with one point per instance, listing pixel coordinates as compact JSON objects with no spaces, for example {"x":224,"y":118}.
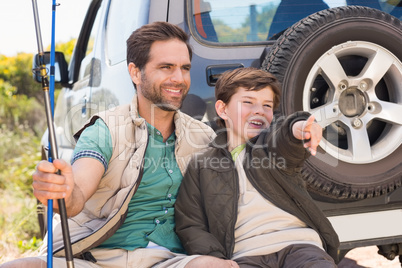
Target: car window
{"x":85,"y":42}
{"x":123,"y":18}
{"x":86,"y":61}
{"x":242,"y":21}
{"x":91,"y":39}
{"x":233,"y":21}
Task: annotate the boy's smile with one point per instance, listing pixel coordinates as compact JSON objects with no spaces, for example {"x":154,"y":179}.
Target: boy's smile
{"x":247,"y":113}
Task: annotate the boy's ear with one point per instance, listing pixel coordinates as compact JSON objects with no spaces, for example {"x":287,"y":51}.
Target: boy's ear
{"x":220,"y":108}
{"x":135,"y":73}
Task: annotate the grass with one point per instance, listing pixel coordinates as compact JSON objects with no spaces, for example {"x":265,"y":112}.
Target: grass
{"x":22,"y":122}
{"x":19,"y":228}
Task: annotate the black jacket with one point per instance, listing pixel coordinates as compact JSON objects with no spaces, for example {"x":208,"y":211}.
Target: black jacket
{"x":206,"y":207}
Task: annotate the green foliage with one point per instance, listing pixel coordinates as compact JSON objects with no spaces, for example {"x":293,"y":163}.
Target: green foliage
{"x":20,"y":110}
{"x":6,"y":89}
{"x":17,"y":71}
{"x":22,"y":123}
{"x":228,"y":34}
{"x":19,"y":152}
{"x":264,"y":21}
{"x":32,"y":244}
{"x":67,"y":48}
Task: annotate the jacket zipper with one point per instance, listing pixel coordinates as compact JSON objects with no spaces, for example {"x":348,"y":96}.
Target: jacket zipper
{"x":230,"y":251}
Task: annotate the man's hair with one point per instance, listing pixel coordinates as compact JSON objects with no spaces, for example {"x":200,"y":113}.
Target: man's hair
{"x":140,"y":41}
{"x":250,"y":78}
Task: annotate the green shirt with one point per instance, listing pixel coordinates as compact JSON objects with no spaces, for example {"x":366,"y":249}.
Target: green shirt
{"x":151,"y":210}
{"x":236,"y":151}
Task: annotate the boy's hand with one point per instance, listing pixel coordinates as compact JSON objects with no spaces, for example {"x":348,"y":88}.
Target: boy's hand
{"x":309,"y":131}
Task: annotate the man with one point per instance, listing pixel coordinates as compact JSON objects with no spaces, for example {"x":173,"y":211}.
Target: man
{"x":128,"y":163}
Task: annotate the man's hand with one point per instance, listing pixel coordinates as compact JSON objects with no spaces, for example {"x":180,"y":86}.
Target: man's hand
{"x":309,"y":131}
{"x":48,"y":185}
{"x":76,"y":184}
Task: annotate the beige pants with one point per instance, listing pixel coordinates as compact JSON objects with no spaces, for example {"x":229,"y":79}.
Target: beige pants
{"x":139,"y":258}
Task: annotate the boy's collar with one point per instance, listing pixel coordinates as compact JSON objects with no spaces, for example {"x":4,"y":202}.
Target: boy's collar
{"x":236,"y":151}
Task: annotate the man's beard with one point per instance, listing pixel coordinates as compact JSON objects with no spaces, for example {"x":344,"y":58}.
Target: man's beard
{"x":154,"y":95}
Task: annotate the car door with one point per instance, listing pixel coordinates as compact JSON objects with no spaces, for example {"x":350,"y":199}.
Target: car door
{"x":88,"y":71}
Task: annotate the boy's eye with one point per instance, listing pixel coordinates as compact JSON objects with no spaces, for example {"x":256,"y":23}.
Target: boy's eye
{"x":247,"y":102}
{"x":268,"y":106}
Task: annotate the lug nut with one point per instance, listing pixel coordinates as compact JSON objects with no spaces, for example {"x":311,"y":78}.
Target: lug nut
{"x":363,"y":85}
{"x":357,"y":123}
{"x":343,"y":86}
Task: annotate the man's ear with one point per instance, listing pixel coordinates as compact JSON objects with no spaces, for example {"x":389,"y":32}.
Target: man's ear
{"x":220,"y":108}
{"x":135,"y":73}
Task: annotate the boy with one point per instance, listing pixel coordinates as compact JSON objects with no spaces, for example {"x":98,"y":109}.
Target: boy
{"x":243,"y":200}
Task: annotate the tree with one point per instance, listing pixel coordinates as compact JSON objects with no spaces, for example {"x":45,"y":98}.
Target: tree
{"x":17,"y":71}
{"x":67,"y":48}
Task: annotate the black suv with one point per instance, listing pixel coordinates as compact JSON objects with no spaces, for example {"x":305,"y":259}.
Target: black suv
{"x":337,"y":59}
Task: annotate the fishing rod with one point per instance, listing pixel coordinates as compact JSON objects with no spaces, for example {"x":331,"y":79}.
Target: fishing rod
{"x":53,"y":154}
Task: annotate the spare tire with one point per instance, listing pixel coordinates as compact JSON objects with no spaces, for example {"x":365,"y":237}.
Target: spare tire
{"x":344,"y":66}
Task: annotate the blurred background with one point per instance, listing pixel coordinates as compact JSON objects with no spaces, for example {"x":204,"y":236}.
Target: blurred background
{"x":22,"y":115}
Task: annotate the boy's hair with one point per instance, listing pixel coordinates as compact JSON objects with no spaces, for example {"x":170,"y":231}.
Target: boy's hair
{"x":250,"y":78}
{"x":140,"y":41}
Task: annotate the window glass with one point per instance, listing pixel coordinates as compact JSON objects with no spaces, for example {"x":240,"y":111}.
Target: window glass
{"x":123,"y":18}
{"x":239,"y":21}
{"x":228,"y":21}
{"x":94,"y":30}
{"x":85,"y":68}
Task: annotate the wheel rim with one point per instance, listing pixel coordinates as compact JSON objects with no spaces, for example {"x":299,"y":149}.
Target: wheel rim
{"x":355,"y":92}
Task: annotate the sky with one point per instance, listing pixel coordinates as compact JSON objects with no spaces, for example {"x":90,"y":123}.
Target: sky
{"x":17,"y":27}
